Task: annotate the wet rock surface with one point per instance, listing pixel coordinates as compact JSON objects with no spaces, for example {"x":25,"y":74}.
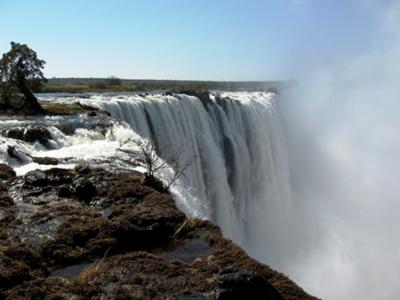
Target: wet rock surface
{"x":45,"y":160}
{"x":6,"y":172}
{"x":93,"y":234}
{"x":31,"y":134}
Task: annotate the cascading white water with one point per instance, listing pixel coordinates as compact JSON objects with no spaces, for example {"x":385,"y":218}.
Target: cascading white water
{"x":98,"y":146}
{"x":238,"y":176}
{"x":239,"y":172}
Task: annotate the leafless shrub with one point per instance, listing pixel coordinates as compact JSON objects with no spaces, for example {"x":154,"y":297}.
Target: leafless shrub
{"x":146,"y":156}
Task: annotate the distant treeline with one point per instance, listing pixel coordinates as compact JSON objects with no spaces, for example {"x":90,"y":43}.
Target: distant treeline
{"x":114,"y":84}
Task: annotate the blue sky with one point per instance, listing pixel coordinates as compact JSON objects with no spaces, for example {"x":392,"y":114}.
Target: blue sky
{"x":186,"y":39}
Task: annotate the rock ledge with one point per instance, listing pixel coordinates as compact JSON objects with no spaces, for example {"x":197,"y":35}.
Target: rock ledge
{"x":94,"y":234}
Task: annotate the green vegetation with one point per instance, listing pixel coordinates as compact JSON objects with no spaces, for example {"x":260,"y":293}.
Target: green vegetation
{"x":113,"y":84}
{"x":83,"y":88}
{"x":20,"y":73}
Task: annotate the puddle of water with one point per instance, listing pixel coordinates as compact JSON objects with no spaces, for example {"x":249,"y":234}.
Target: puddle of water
{"x":70,"y":271}
{"x":24,"y":211}
{"x":25,"y":208}
{"x":106,"y":213}
{"x":40,"y":201}
{"x":190,"y":296}
{"x":48,"y":225}
{"x":189,"y":251}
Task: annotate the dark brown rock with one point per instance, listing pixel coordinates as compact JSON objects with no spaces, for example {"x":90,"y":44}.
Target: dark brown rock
{"x":31,"y":134}
{"x":238,"y":284}
{"x":93,"y":234}
{"x":5,"y":200}
{"x":6,"y":172}
{"x":84,"y":190}
{"x":37,"y":134}
{"x":12,"y":272}
{"x":45,"y":160}
{"x":15,"y":133}
{"x":13,"y":153}
{"x":91,"y":114}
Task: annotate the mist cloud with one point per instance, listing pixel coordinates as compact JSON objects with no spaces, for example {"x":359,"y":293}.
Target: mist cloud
{"x":344,"y":128}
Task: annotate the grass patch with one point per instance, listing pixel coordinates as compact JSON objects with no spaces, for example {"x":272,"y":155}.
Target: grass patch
{"x":90,"y":272}
{"x":188,"y":225}
{"x":91,"y":88}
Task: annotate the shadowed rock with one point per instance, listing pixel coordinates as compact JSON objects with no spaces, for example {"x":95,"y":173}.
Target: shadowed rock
{"x":6,"y":172}
{"x":45,"y":160}
{"x":37,"y":134}
{"x":31,"y":134}
{"x":238,"y":284}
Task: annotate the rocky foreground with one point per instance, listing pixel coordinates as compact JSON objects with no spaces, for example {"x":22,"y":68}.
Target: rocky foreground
{"x":94,"y":234}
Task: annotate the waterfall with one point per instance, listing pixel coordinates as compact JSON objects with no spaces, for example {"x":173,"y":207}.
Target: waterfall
{"x":238,"y":176}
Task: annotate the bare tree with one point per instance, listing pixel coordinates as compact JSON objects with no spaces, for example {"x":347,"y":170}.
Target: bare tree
{"x":146,"y":155}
